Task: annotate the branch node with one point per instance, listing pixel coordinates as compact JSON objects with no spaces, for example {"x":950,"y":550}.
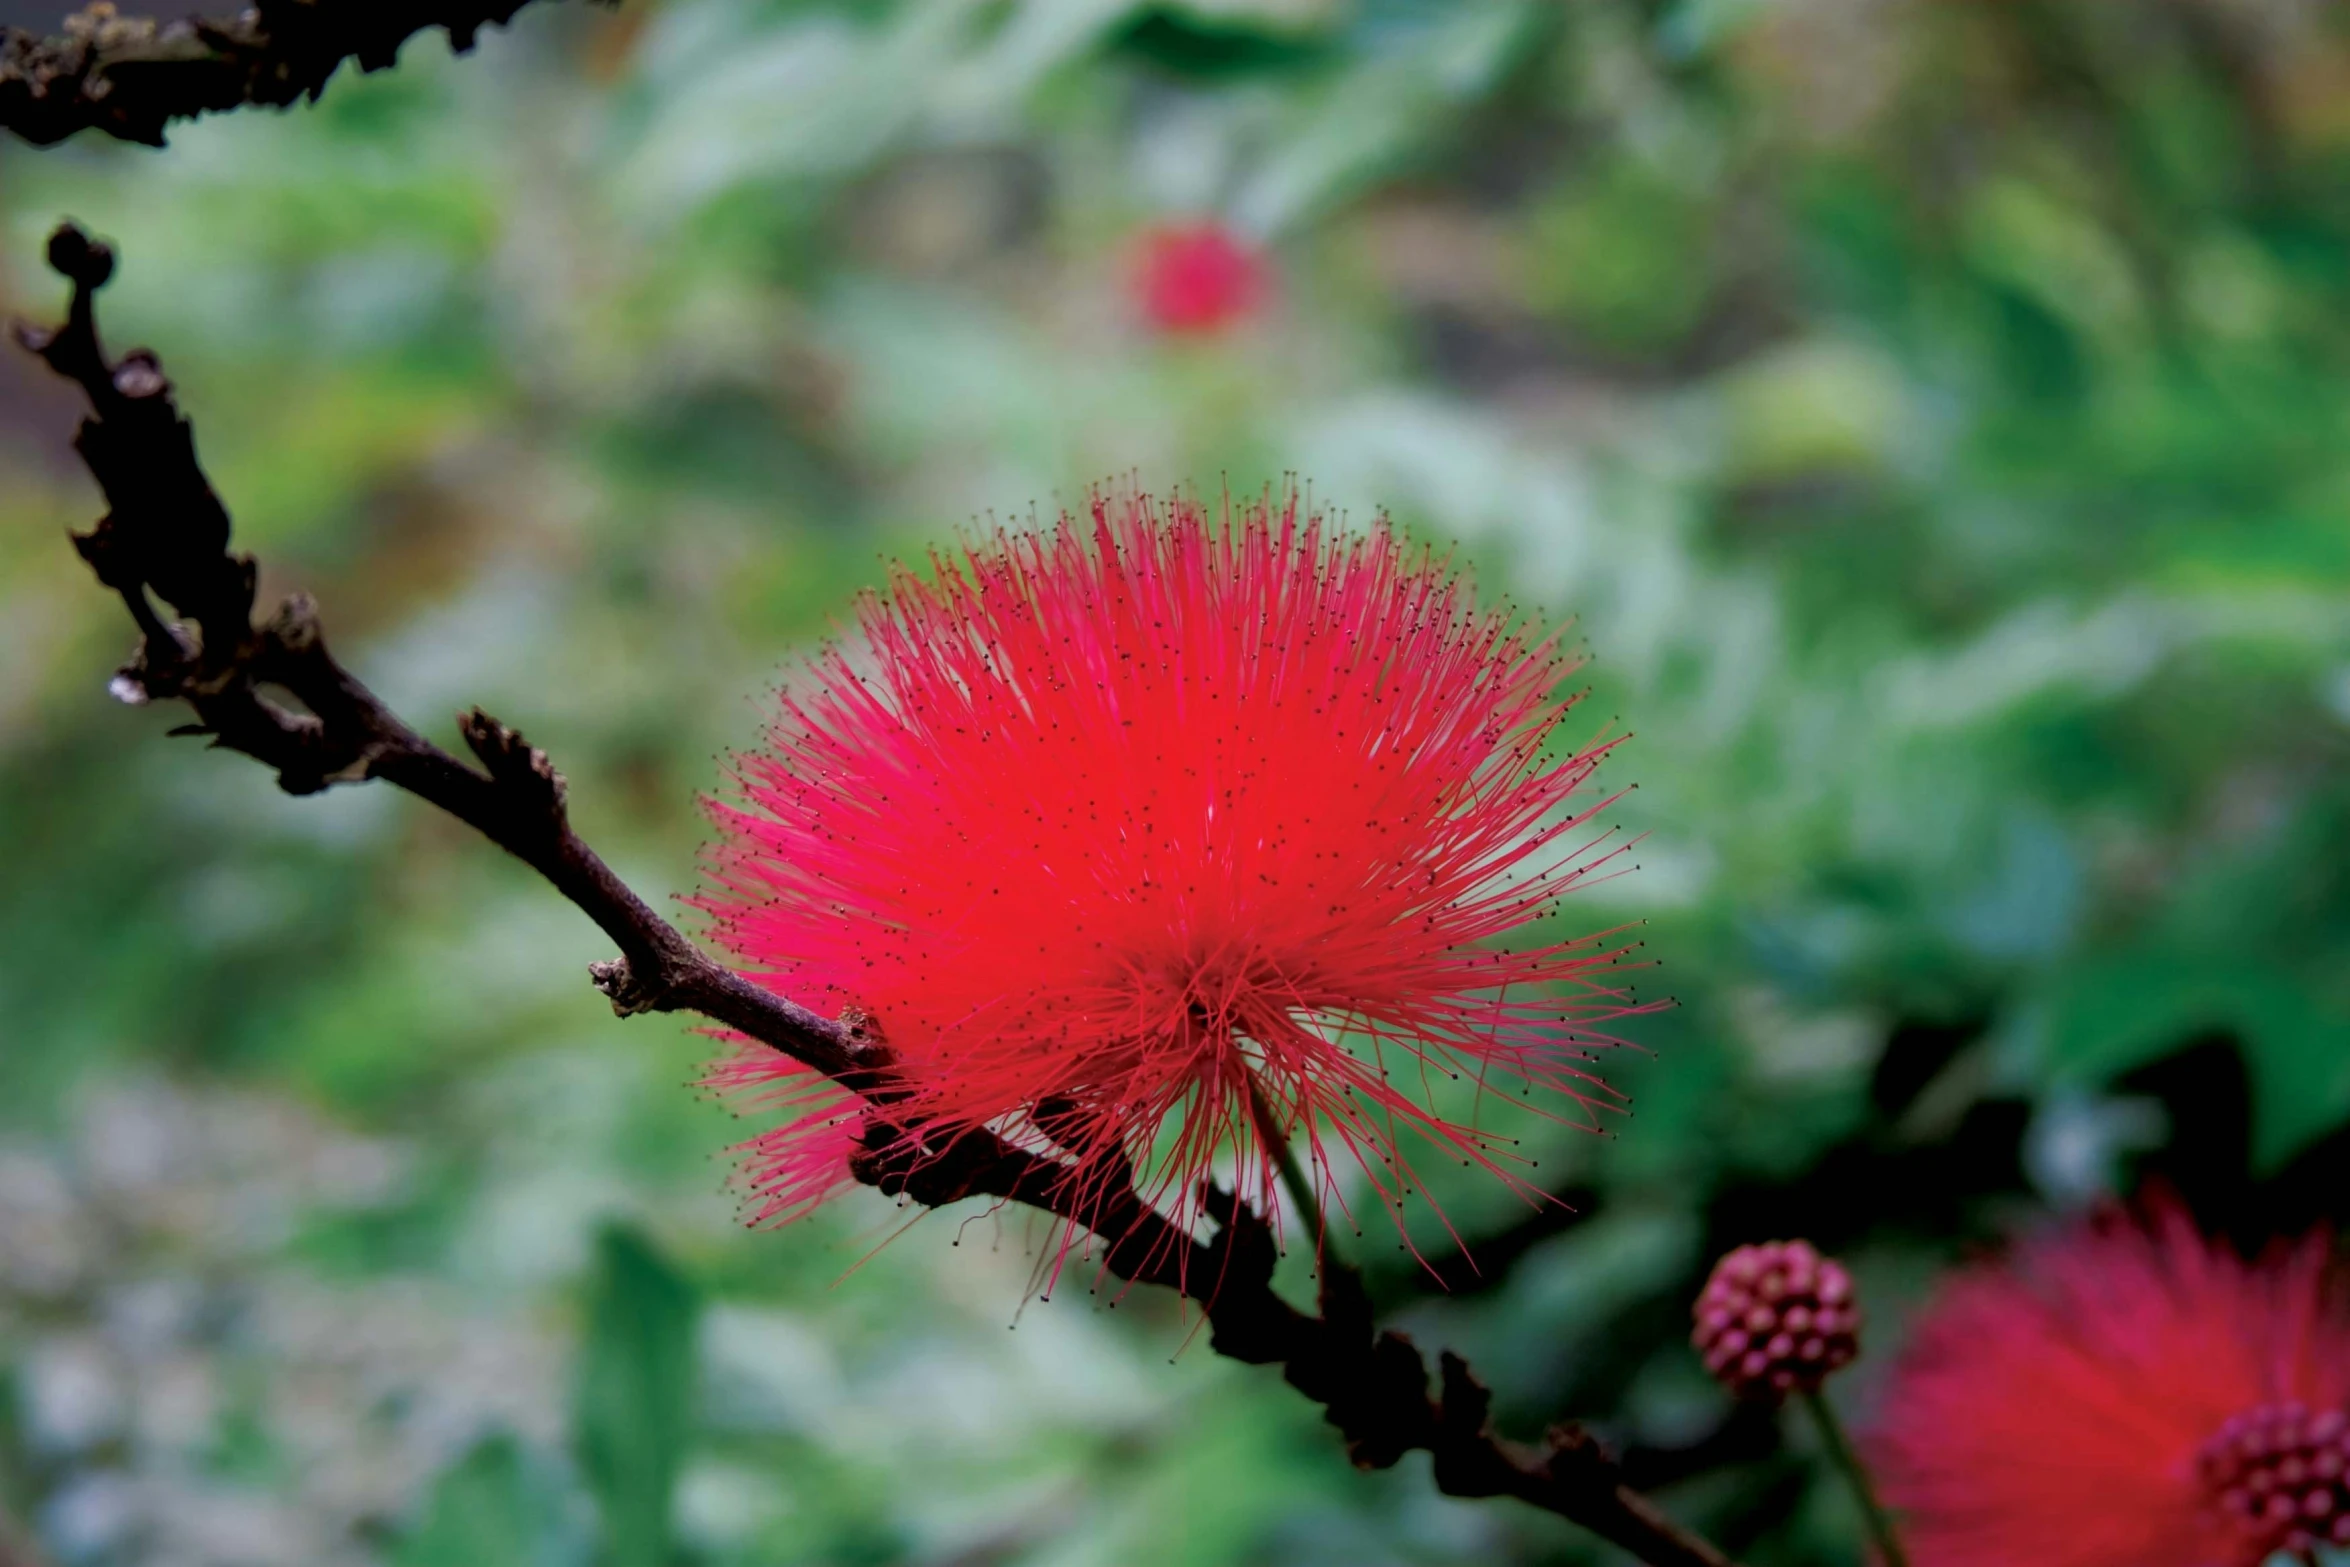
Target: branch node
{"x":295,"y":626}
{"x":1579,"y":1465}
{"x":139,"y":377}
{"x":1469,"y":1461}
{"x":619,"y":984}
{"x":1383,"y":1409}
{"x":513,"y":762}
{"x":101,"y":548}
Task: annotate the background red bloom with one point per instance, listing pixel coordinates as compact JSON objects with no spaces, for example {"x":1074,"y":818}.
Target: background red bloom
{"x":1175,"y":830}
{"x":2051,"y":1410}
{"x":1196,"y":278}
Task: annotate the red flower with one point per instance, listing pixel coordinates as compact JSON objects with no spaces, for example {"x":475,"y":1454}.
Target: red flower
{"x":1196,"y":278}
{"x":1134,"y":839}
{"x":2123,"y":1394}
{"x":793,"y":1167}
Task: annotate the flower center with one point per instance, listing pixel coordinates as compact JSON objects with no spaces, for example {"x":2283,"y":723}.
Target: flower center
{"x":2280,"y":1475}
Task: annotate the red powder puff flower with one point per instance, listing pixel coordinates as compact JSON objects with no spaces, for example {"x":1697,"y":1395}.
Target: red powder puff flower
{"x":1193,"y":279}
{"x":1154,"y":842}
{"x":2124,"y":1394}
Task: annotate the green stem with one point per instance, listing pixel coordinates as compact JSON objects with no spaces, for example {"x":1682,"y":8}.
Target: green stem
{"x":1856,"y":1475}
{"x":1293,"y":1177}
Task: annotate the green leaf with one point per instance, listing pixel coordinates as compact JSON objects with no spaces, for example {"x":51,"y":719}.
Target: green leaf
{"x":1187,"y":43}
{"x":2124,"y":1011}
{"x":634,"y":1414}
{"x":487,"y":1510}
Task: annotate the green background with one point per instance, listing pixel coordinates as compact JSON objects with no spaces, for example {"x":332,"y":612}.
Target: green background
{"x":1934,"y":413}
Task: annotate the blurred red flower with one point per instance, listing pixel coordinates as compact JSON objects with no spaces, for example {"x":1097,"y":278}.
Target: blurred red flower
{"x":1152,"y":841}
{"x":1192,"y":279}
{"x":2124,"y":1393}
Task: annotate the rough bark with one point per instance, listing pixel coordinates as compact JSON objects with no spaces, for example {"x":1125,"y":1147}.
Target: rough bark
{"x":131,"y":77}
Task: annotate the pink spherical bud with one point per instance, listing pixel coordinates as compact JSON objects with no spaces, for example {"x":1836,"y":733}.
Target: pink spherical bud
{"x":2275,"y":1475}
{"x":1775,"y":1319}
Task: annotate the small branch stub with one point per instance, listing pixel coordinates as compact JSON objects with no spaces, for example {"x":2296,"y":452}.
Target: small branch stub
{"x":618,"y":984}
{"x":516,"y":764}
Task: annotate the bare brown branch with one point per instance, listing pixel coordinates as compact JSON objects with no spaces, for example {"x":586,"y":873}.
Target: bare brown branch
{"x":130,"y":77}
{"x":165,"y":537}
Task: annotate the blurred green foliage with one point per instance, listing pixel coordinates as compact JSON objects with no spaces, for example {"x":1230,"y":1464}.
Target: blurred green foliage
{"x":1933,"y":414}
{"x":487,"y":1510}
{"x":635,"y":1411}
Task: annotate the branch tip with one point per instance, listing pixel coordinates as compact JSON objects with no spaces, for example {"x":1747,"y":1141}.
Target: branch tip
{"x":1466,"y":1402}
{"x":140,"y":377}
{"x":87,"y":262}
{"x":513,"y":761}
